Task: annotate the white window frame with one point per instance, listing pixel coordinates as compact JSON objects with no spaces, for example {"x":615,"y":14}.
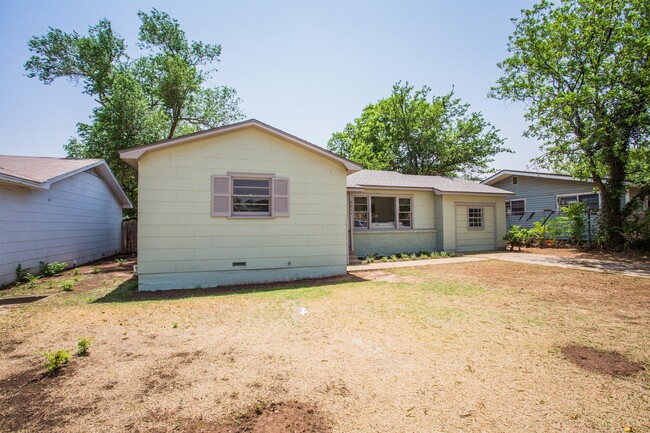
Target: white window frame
{"x":577,"y":196}
{"x":369,"y":212}
{"x":515,"y":199}
{"x":482,"y":218}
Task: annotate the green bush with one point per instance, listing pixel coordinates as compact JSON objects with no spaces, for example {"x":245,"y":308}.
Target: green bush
{"x":55,"y":360}
{"x":516,"y":237}
{"x":83,"y":344}
{"x":95,"y":269}
{"x":120,"y":262}
{"x":67,"y":286}
{"x":23,"y":275}
{"x":574,"y":220}
{"x":636,"y":230}
{"x":49,"y":269}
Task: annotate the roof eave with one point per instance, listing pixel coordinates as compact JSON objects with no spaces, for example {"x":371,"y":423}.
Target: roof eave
{"x":496,"y":193}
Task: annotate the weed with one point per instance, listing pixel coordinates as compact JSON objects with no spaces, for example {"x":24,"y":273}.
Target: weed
{"x":404,"y":256}
{"x":393,"y":258}
{"x":67,"y":286}
{"x":23,"y":274}
{"x":95,"y":269}
{"x":83,"y":344}
{"x":174,"y":325}
{"x":76,"y":272}
{"x":55,"y":360}
{"x":120,"y":262}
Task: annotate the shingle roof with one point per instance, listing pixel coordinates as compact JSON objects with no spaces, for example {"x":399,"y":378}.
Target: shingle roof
{"x":441,"y":184}
{"x":41,"y":169}
{"x":39,"y":172}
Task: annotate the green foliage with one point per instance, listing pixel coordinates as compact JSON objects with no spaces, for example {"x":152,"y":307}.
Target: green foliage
{"x":174,"y":325}
{"x":55,"y":360}
{"x":516,"y":237}
{"x":83,"y":345}
{"x":575,"y":222}
{"x":582,"y":69}
{"x":120,"y":262}
{"x":67,"y":286}
{"x":637,"y":231}
{"x":95,"y":269}
{"x":160,"y":94}
{"x":49,"y":269}
{"x":23,"y":274}
{"x":410,"y":133}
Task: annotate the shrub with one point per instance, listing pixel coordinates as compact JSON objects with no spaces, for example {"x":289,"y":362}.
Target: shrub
{"x":636,"y":230}
{"x":49,"y":269}
{"x":575,"y":220}
{"x":403,"y":256}
{"x":76,"y":272}
{"x":393,"y":258}
{"x":424,"y":255}
{"x":384,"y":259}
{"x":516,"y":237}
{"x":55,"y":360}
{"x":83,"y":344}
{"x":23,"y":274}
{"x":120,"y":262}
{"x":95,"y":269}
{"x":443,"y":254}
{"x":67,"y":286}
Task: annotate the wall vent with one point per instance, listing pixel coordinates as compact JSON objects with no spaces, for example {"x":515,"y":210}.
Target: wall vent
{"x":239,"y":263}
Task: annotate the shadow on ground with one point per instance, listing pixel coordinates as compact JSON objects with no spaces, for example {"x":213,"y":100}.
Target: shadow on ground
{"x":128,"y":290}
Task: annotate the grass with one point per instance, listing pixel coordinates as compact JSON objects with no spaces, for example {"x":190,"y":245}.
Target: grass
{"x":455,"y":347}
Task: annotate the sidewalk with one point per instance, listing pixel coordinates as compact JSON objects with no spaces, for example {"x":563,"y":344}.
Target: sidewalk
{"x":412,"y":263}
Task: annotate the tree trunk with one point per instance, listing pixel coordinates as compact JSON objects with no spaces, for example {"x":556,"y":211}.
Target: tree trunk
{"x":611,"y":220}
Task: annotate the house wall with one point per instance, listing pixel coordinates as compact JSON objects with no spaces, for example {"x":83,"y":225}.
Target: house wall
{"x":423,"y":236}
{"x":182,"y":246}
{"x":540,"y":194}
{"x":77,"y":219}
{"x":447,"y":224}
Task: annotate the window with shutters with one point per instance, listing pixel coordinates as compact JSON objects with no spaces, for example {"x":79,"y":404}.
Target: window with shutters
{"x":250,"y":195}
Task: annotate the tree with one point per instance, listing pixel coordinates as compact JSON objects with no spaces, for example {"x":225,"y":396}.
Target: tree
{"x":160,"y":94}
{"x":583,"y":69}
{"x":411,"y":134}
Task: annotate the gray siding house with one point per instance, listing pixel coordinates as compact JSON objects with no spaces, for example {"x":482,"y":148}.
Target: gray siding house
{"x":55,"y":209}
{"x":536,"y":195}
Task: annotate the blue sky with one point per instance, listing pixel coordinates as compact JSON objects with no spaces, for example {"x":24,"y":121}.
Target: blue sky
{"x":306,"y":67}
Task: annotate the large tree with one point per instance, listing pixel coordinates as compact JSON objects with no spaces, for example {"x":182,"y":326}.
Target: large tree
{"x":583,"y":70}
{"x":411,"y":133}
{"x":160,"y":94}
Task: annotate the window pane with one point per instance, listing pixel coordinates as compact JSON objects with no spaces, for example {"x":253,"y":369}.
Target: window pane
{"x":383,"y":212}
{"x":518,"y":207}
{"x":260,"y":183}
{"x":475,"y":217}
{"x":563,"y":201}
{"x":591,"y":200}
{"x":251,"y":196}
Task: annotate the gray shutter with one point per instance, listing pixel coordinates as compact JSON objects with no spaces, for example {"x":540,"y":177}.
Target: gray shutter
{"x":220,"y":196}
{"x":280,"y":200}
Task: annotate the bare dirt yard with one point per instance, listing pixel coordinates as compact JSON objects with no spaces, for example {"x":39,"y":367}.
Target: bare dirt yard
{"x":485,"y":346}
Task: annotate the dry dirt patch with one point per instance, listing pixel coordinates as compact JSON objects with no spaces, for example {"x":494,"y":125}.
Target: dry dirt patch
{"x":596,"y":361}
{"x":389,"y":277}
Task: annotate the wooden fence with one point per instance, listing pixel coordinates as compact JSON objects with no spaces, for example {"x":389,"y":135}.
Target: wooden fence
{"x":130,"y":237}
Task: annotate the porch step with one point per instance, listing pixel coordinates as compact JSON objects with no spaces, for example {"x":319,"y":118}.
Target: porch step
{"x":354,"y":260}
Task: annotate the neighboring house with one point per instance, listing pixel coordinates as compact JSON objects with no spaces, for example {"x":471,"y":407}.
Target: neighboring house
{"x":538,"y":195}
{"x":247,"y":203}
{"x":56,"y":209}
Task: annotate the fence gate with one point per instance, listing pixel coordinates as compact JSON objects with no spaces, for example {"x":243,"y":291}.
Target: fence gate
{"x":130,"y":237}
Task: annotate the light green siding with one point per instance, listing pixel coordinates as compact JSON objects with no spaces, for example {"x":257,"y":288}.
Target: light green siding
{"x":391,"y":242}
{"x":452,"y":225}
{"x":181,"y":245}
{"x":386,"y":242}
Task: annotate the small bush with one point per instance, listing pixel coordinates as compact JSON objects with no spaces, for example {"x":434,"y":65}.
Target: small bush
{"x":76,"y":272}
{"x":49,"y":269}
{"x":516,"y":237}
{"x":368,"y":259}
{"x":83,"y":344}
{"x":23,"y":274}
{"x":67,"y":286}
{"x":174,"y":325}
{"x":55,"y":360}
{"x":393,"y":258}
{"x":120,"y":262}
{"x":404,"y":256}
{"x":424,"y":255}
{"x":443,"y":254}
{"x":95,"y":269}
{"x":384,"y":259}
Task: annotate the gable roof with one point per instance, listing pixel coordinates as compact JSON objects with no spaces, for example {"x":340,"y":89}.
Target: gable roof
{"x":131,"y":156}
{"x":439,"y":184}
{"x":503,"y":174}
{"x":38,"y":172}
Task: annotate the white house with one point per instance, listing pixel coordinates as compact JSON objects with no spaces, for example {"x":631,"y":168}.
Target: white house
{"x":56,"y":209}
{"x":247,"y":203}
